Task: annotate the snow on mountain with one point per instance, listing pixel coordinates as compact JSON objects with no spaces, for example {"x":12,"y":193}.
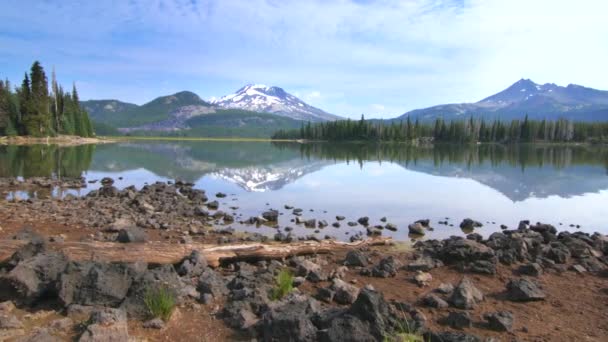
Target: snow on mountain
{"x":275,"y":100}
{"x":524,"y":97}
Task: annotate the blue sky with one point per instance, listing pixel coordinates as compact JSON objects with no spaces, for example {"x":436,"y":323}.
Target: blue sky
{"x":380,"y":58}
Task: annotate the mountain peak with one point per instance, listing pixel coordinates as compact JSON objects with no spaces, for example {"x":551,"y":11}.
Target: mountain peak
{"x":271,"y":99}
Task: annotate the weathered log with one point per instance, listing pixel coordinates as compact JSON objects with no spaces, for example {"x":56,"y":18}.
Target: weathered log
{"x":168,"y":253}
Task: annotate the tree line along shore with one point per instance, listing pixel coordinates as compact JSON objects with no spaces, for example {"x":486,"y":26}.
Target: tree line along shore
{"x":464,"y":131}
{"x":32,"y":110}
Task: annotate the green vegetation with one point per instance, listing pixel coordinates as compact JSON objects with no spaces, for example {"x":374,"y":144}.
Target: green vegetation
{"x":121,"y":114}
{"x":45,"y":160}
{"x":284,"y":284}
{"x":103,"y":129}
{"x":405,"y":331}
{"x":469,"y":156}
{"x":160,"y":302}
{"x":465,"y":131}
{"x":33,"y":110}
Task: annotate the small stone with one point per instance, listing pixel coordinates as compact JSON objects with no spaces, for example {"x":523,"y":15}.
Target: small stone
{"x":578,"y":269}
{"x":416,"y":229}
{"x":466,"y":295}
{"x":445,"y":288}
{"x":459,"y":320}
{"x":356,"y":258}
{"x":340,"y":217}
{"x":155,"y":323}
{"x":531,"y":269}
{"x":500,"y":321}
{"x":524,"y":290}
{"x":434,"y":301}
{"x":423,"y":278}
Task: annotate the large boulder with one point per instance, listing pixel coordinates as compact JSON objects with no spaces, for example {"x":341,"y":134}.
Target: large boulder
{"x":368,"y":319}
{"x":290,"y":320}
{"x":33,"y":278}
{"x":164,"y":277}
{"x":466,"y":295}
{"x":94,"y":283}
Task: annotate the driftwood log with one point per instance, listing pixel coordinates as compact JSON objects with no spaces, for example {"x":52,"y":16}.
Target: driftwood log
{"x":168,"y":253}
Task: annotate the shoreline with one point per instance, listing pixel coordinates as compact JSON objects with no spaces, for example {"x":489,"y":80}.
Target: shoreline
{"x":61,"y":140}
{"x":461,"y":288}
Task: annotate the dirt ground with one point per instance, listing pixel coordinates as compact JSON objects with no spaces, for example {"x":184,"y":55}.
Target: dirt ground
{"x":576,"y":307}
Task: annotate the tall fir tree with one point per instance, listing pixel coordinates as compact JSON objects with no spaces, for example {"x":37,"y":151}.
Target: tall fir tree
{"x":37,"y":117}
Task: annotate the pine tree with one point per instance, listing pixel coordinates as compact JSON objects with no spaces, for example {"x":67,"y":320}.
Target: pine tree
{"x":36,"y":114}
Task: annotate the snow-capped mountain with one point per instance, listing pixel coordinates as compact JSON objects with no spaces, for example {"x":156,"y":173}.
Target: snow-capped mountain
{"x":275,"y":100}
{"x":524,"y":97}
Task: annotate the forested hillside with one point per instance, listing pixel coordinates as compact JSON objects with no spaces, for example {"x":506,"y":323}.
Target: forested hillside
{"x":33,"y":110}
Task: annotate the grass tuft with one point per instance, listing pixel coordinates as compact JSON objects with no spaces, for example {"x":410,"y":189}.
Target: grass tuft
{"x":283,"y":286}
{"x":160,"y":302}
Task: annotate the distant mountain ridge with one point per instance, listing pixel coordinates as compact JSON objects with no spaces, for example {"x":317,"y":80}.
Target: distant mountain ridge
{"x":253,"y":111}
{"x":524,"y":97}
{"x":275,"y":100}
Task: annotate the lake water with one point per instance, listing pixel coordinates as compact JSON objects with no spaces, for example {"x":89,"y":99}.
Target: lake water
{"x":561,"y":185}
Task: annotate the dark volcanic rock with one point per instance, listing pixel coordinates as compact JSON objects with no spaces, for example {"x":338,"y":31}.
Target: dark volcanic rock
{"x":133,"y":234}
{"x":469,"y":224}
{"x":424,"y":263}
{"x":451,"y":336}
{"x":387,"y":267}
{"x":289,"y":320}
{"x":344,"y":293}
{"x":524,"y":290}
{"x":459,"y":320}
{"x":164,"y":277}
{"x":531,"y":269}
{"x":211,"y":282}
{"x":416,"y":229}
{"x":271,"y":215}
{"x":364,"y":221}
{"x":483,"y":266}
{"x":106,"y":325}
{"x":356,"y":258}
{"x":34,"y":278}
{"x":466,"y":295}
{"x":92,"y":283}
{"x":500,"y":321}
{"x":193,"y":265}
{"x":434,"y":301}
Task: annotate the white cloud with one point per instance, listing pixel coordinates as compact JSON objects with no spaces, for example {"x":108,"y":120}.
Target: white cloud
{"x":404,"y":55}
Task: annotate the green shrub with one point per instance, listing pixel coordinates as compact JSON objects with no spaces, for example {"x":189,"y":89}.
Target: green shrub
{"x":160,"y":302}
{"x":284,"y":284}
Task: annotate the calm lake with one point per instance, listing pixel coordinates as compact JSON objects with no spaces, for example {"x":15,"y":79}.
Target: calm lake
{"x":561,"y":185}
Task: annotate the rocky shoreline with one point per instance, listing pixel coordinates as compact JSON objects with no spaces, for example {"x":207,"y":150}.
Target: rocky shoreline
{"x":529,"y":283}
